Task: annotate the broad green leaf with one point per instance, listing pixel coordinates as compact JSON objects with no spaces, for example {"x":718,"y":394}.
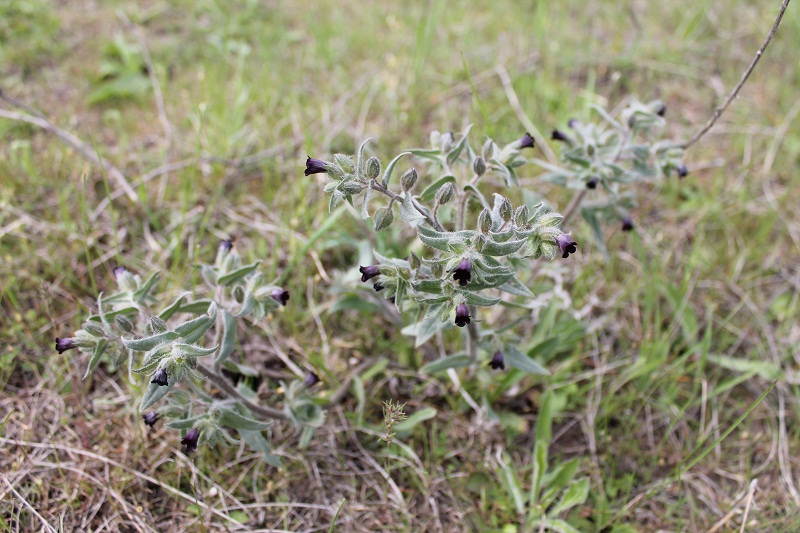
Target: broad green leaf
{"x":446,"y":363}
{"x":417,"y":418}
{"x":153,"y":394}
{"x":559,"y":478}
{"x":235,"y":276}
{"x":256,"y":441}
{"x":234,"y":420}
{"x":516,"y":359}
{"x":575,"y":494}
{"x":174,"y":307}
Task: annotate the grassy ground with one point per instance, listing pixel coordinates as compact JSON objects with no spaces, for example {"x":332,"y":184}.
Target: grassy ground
{"x":679,"y":333}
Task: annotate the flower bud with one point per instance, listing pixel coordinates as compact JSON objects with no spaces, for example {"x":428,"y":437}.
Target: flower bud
{"x":521,"y":215}
{"x":445,"y":193}
{"x":505,"y":210}
{"x":414,"y":261}
{"x":437,"y":270}
{"x":124,"y":323}
{"x":497,"y":361}
{"x":238,"y":294}
{"x":373,"y":168}
{"x":592,"y":183}
{"x":383,"y":218}
{"x":226,"y":245}
{"x":352,"y":187}
{"x":368,"y":272}
{"x":566,"y":244}
{"x":488,"y":149}
{"x":462,"y":315}
{"x":463,"y":273}
{"x":157,"y":325}
{"x":479,"y":166}
{"x":280,"y":295}
{"x":484,"y":221}
{"x":682,"y":170}
{"x":409,"y":179}
{"x":379,"y":287}
{"x":315,"y":166}
{"x":95,"y":329}
{"x":190,"y":440}
{"x":559,"y":136}
{"x":662,"y":110}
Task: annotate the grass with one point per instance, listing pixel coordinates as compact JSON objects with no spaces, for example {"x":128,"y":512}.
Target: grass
{"x":678,"y":335}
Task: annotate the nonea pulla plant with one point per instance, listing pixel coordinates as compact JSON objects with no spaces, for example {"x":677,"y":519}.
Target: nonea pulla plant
{"x":602,"y":159}
{"x":473,"y":247}
{"x":183,"y":342}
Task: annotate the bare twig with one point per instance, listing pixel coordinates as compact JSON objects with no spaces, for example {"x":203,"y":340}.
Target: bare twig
{"x":78,"y":145}
{"x":230,"y":390}
{"x":718,"y":112}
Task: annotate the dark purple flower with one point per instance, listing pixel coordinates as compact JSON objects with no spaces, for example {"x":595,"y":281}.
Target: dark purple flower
{"x":311,"y":379}
{"x":592,"y":183}
{"x":526,"y":141}
{"x":368,"y":272}
{"x":462,"y":315}
{"x":567,"y":245}
{"x":463,"y":274}
{"x":662,"y":110}
{"x":120,"y":270}
{"x":682,"y":170}
{"x":150,"y":418}
{"x":572,"y":123}
{"x":62,"y":345}
{"x":280,"y":295}
{"x":378,"y":287}
{"x":497,"y":361}
{"x":226,"y":245}
{"x":627,"y":224}
{"x":160,"y":378}
{"x":315,"y":166}
{"x":190,"y":440}
{"x":559,"y":136}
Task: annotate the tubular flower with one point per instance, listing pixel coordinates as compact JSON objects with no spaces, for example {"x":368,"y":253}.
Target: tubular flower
{"x":462,"y":315}
{"x":62,"y":345}
{"x":526,"y":141}
{"x":368,"y":272}
{"x":280,"y":295}
{"x":190,"y":440}
{"x":497,"y":361}
{"x":463,"y":274}
{"x":311,"y":379}
{"x":150,"y":418}
{"x":315,"y":166}
{"x":160,"y":378}
{"x":566,"y":244}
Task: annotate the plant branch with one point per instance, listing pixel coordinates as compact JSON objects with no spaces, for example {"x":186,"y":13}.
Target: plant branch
{"x":71,"y":140}
{"x":397,"y":198}
{"x":573,"y":206}
{"x":230,"y":390}
{"x":721,"y":109}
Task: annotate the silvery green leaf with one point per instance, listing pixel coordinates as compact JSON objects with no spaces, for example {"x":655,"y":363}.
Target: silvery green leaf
{"x":256,"y":441}
{"x":590,"y":216}
{"x":383,"y":260}
{"x":336,"y":197}
{"x":192,"y":350}
{"x":459,"y":360}
{"x":501,"y":249}
{"x":367,"y":198}
{"x":452,"y":155}
{"x":112,"y":314}
{"x":99,"y":349}
{"x":503,"y":236}
{"x":330,"y":186}
{"x":387,"y":175}
{"x":429,"y":192}
{"x":195,"y":307}
{"x":229,"y":337}
{"x":426,"y":154}
{"x":345,"y":162}
{"x":431,"y":300}
{"x":425,"y":328}
{"x":408,"y":212}
{"x":516,"y":359}
{"x":360,"y":158}
{"x":515,"y":286}
{"x":473,"y":298}
{"x":431,"y":286}
{"x":400,"y":294}
{"x":512,"y":174}
{"x":209,"y":274}
{"x":439,"y":243}
{"x":153,"y":358}
{"x":186,"y":423}
{"x":490,"y":265}
{"x":174,"y":307}
{"x":154,"y":393}
{"x":95,"y":329}
{"x":234,"y":420}
{"x":232,"y":277}
{"x":383,"y":218}
{"x":146,"y":344}
{"x":144,"y":291}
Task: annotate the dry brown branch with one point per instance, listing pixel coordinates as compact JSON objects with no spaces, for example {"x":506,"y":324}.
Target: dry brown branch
{"x":721,"y":109}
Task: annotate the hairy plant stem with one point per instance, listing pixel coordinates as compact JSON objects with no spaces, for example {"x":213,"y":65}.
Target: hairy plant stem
{"x":397,"y":198}
{"x":573,"y":206}
{"x":473,"y":337}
